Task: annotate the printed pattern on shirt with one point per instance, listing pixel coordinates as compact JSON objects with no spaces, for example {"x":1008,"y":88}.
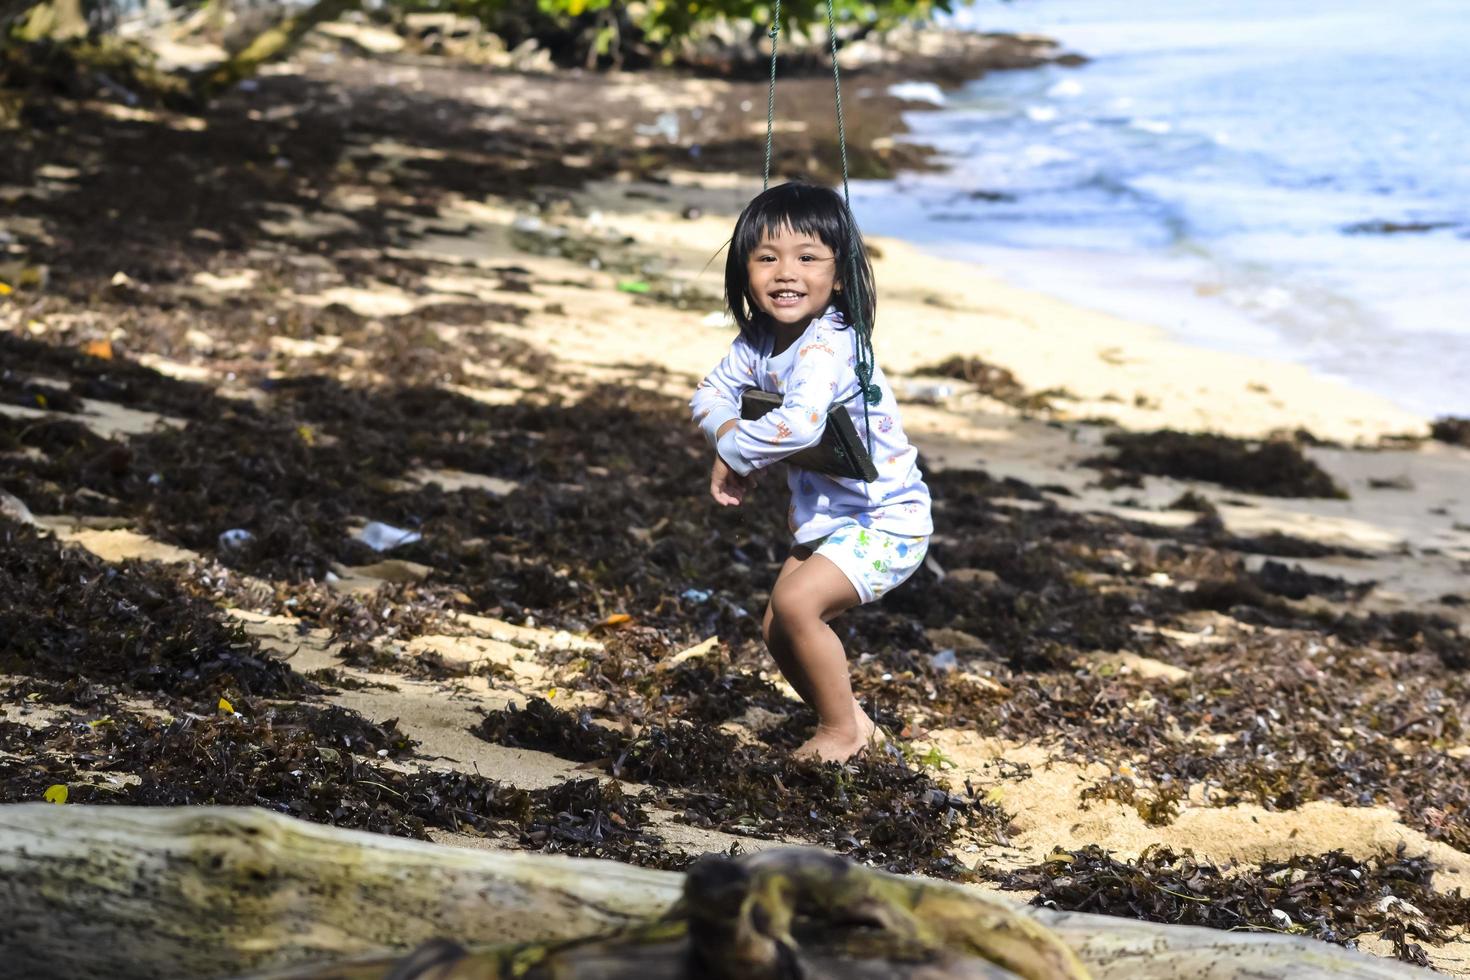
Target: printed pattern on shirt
{"x":812,"y":375}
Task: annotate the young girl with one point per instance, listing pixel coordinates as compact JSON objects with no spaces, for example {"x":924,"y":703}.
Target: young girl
{"x":797,"y":281}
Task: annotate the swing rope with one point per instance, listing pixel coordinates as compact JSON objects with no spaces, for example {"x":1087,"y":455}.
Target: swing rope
{"x":862,"y":331}
{"x":774,"y":34}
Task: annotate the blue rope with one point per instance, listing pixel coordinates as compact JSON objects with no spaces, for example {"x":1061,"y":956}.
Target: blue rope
{"x":862,"y":331}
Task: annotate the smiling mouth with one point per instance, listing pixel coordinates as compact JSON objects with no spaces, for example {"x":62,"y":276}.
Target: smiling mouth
{"x":787,"y":296}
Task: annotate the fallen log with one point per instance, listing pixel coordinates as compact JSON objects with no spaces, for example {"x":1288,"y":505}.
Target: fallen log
{"x":777,"y":915}
{"x":123,"y":892}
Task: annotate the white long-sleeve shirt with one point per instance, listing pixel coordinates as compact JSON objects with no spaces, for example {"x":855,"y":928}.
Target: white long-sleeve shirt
{"x":811,"y":375}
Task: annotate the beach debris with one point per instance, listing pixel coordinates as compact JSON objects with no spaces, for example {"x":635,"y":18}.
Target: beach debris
{"x":995,"y":382}
{"x":310,"y":761}
{"x":1273,"y":468}
{"x":18,"y":275}
{"x":666,"y":125}
{"x":944,"y":660}
{"x":385,"y":537}
{"x":926,"y":392}
{"x":59,"y":630}
{"x":1294,"y":582}
{"x":13,"y":508}
{"x":1333,"y":897}
{"x":696,"y":595}
{"x":532,"y":225}
{"x":1192,"y":500}
{"x":699,"y":650}
{"x":1451,"y":429}
{"x":873,"y":807}
{"x":235,"y":537}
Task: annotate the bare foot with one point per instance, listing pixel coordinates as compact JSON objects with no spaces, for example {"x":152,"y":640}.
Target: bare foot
{"x":875,"y":735}
{"x":830,"y":744}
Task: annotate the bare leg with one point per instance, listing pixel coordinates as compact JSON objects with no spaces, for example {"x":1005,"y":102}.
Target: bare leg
{"x":810,"y":591}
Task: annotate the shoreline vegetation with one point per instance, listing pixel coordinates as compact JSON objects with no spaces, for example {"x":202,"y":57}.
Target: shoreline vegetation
{"x":1191,"y":645}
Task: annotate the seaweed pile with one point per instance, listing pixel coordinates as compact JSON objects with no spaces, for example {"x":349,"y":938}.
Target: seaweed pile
{"x":1275,"y":468}
{"x":1453,"y":430}
{"x":876,"y":809}
{"x":68,"y":616}
{"x":993,"y":381}
{"x":92,"y":640}
{"x":1030,"y":589}
{"x":1332,"y":896}
{"x":304,"y":760}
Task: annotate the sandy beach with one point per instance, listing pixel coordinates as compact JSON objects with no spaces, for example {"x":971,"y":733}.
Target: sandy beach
{"x":1088,"y":659}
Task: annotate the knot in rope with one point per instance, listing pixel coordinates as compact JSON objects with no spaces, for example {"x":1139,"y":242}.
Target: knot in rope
{"x":872,"y":394}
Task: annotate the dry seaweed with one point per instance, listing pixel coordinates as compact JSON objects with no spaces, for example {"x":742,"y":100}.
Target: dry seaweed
{"x":1332,"y":896}
{"x":1274,"y":468}
{"x":994,"y":381}
{"x":874,"y":808}
{"x":1455,"y":431}
{"x":66,"y":613}
{"x":304,"y":760}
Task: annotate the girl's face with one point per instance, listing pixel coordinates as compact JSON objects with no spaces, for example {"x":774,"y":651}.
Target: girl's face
{"x":792,"y":276}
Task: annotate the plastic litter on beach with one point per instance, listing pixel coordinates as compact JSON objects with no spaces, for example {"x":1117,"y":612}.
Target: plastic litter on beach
{"x":385,"y":537}
{"x":926,"y":392}
{"x":235,"y":537}
{"x":15,"y":509}
{"x":944,"y":660}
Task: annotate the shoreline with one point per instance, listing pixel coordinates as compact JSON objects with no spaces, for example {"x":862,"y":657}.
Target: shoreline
{"x":1174,"y":194}
{"x":1135,"y":373}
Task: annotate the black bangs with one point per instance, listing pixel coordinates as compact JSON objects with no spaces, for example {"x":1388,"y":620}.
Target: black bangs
{"x":806,"y":209}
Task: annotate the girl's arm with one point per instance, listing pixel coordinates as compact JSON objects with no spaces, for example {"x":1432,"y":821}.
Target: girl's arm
{"x":717,"y":399}
{"x":821,"y":377}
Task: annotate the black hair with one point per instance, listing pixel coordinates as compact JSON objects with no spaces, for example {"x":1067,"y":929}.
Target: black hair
{"x":806,"y":209}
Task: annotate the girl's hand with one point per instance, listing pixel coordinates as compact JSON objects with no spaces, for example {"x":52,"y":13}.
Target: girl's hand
{"x":728,"y":487}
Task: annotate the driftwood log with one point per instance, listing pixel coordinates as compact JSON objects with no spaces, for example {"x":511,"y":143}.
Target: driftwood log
{"x":122,"y":892}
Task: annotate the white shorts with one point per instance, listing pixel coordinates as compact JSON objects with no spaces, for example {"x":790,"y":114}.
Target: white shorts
{"x":873,"y":561}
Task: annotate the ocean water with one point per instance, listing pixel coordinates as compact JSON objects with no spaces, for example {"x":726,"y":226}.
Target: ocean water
{"x":1225,"y":170}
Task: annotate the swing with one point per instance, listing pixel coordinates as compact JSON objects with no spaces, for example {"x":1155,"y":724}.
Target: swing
{"x":840,"y":452}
